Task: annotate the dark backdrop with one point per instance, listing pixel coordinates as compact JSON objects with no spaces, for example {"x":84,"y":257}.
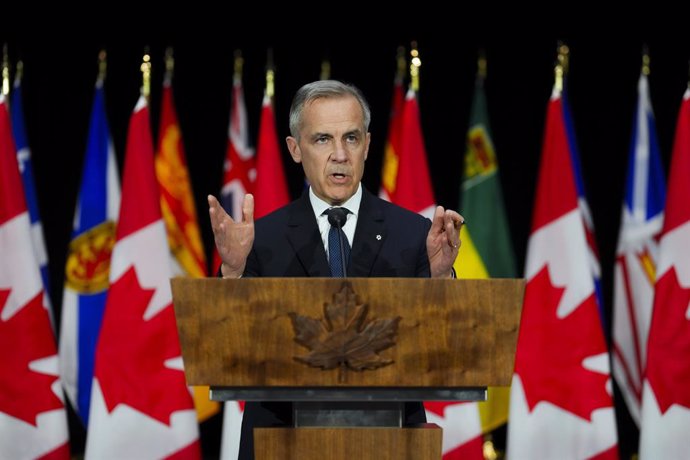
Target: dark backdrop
{"x":58,"y":89}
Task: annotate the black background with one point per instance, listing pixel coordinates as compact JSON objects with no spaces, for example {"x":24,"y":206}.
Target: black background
{"x":59,"y":76}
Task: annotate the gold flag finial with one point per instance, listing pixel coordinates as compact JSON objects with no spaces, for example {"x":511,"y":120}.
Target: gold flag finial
{"x":402,"y":65}
{"x":645,"y":60}
{"x":415,"y":64}
{"x":325,"y":70}
{"x":19,"y":73}
{"x":146,"y":74}
{"x":169,"y":64}
{"x":5,"y":71}
{"x":270,"y":74}
{"x":481,"y":64}
{"x":102,"y":66}
{"x":564,"y":57}
{"x":238,"y":64}
{"x":558,"y":70}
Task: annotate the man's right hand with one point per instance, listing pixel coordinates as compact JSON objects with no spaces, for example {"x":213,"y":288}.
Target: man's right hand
{"x":233,"y":239}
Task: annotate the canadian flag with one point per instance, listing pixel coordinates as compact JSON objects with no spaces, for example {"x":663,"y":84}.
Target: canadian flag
{"x":560,"y":404}
{"x":665,"y":416}
{"x":33,"y":420}
{"x":413,"y":188}
{"x":140,"y":404}
{"x":270,"y":188}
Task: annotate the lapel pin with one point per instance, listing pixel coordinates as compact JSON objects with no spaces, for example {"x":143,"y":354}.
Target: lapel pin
{"x":378,"y":237}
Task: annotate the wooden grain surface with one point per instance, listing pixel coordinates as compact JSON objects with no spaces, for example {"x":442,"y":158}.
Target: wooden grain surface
{"x":421,"y":443}
{"x":453,"y":333}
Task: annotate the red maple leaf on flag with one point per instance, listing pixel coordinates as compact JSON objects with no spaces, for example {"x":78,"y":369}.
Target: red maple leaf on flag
{"x":132,"y":352}
{"x":551,"y":351}
{"x":24,"y":338}
{"x":668,"y":352}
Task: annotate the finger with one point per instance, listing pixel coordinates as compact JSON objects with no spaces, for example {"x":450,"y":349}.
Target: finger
{"x":455,"y":218}
{"x":437,"y":222}
{"x":248,"y":208}
{"x":213,"y":209}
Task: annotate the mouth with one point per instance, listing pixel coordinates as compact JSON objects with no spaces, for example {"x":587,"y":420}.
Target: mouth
{"x":338,"y":177}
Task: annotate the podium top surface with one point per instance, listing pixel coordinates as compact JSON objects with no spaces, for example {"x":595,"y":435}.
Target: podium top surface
{"x":402,"y":332}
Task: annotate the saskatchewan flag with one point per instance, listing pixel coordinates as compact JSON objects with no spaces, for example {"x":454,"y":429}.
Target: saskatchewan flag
{"x":486,"y":249}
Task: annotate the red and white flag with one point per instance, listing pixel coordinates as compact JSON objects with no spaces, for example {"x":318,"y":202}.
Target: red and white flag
{"x":391,"y":156}
{"x":462,"y":431}
{"x":561,"y":403}
{"x":665,"y":416}
{"x":413,"y":184}
{"x":140,"y":404}
{"x":33,"y":420}
{"x":270,"y":189}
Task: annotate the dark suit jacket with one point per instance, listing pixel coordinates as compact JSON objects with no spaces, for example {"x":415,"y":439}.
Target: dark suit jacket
{"x":389,"y":241}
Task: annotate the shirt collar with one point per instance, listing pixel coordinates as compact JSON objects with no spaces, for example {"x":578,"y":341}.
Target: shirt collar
{"x":320,"y":206}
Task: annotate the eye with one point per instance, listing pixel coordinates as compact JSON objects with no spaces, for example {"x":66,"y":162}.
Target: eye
{"x":321,"y":139}
{"x":351,"y":139}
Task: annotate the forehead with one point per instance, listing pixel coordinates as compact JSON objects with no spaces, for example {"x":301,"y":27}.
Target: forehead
{"x":332,"y":111}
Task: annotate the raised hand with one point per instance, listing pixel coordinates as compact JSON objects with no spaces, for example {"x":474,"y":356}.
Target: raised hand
{"x":443,"y":241}
{"x":233,"y":239}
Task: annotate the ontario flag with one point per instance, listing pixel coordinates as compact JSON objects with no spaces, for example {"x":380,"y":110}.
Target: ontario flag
{"x":413,"y":183}
{"x":391,"y":156}
{"x":270,"y":189}
{"x":561,"y":403}
{"x":179,"y":211}
{"x":88,"y":259}
{"x":140,"y":404}
{"x":33,"y":420}
{"x":637,"y":253}
{"x":665,"y":418}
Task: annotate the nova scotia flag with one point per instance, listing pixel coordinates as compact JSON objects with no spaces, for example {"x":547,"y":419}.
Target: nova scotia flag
{"x":88,"y":261}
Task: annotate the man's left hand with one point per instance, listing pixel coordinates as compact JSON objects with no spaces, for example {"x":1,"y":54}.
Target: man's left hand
{"x":443,"y":241}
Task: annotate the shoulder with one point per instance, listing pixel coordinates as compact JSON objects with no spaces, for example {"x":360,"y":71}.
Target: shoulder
{"x":392,"y":211}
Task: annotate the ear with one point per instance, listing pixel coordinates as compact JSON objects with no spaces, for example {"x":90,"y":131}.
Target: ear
{"x":294,"y":149}
{"x":367,"y":140}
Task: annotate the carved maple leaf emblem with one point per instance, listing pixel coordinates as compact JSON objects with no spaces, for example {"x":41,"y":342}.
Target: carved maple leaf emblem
{"x":668,"y":355}
{"x":344,"y":337}
{"x":25,"y":338}
{"x":551,"y":351}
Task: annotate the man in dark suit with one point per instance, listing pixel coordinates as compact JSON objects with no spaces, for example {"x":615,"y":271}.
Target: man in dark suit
{"x":329,"y":127}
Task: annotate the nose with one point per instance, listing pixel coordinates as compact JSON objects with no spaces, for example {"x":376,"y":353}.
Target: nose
{"x":339,"y":154}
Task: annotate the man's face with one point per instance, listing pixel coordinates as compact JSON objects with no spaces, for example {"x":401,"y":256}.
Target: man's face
{"x":332,"y":147}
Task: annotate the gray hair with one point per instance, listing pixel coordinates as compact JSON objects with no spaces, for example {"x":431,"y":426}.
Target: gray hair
{"x":325,"y":89}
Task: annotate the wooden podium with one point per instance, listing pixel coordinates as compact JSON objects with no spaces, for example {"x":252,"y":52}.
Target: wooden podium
{"x":413,"y":339}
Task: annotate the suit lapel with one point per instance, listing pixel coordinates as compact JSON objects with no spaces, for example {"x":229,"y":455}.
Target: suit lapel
{"x":369,"y":236}
{"x":304,"y":236}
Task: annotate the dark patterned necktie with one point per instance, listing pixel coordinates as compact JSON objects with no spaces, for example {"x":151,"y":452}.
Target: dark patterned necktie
{"x":336,"y":255}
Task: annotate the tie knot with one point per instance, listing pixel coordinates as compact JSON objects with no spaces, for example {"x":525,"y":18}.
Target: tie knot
{"x":337,"y":216}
